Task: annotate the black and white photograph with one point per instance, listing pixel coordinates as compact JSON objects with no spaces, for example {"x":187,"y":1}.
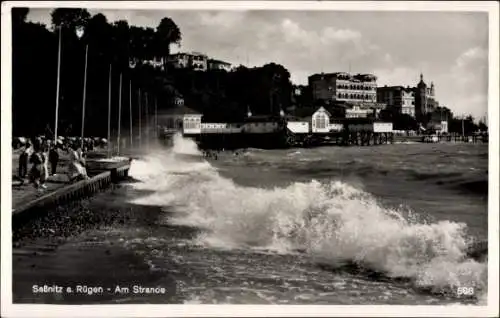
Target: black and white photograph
{"x":341,"y":155}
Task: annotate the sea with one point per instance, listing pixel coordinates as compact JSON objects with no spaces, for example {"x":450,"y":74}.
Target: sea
{"x":381,"y":225}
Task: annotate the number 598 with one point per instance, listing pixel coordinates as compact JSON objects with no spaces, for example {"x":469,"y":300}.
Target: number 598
{"x":467,"y":291}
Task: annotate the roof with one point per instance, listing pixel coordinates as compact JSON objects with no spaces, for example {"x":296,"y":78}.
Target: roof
{"x":218,"y":61}
{"x":263,"y":118}
{"x":324,"y":109}
{"x":398,"y":87}
{"x":357,"y":120}
{"x":361,"y":77}
{"x":178,"y":110}
{"x":309,"y":111}
{"x":188,"y":54}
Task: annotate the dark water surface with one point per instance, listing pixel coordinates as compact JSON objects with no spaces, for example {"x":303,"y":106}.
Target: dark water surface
{"x":358,"y":225}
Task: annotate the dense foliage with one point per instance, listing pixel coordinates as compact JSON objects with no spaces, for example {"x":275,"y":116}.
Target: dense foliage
{"x":35,"y":55}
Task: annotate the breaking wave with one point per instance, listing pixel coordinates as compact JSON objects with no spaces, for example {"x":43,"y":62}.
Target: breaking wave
{"x":333,"y":223}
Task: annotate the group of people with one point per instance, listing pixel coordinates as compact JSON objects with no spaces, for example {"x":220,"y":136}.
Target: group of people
{"x":213,"y":154}
{"x":40,"y":153}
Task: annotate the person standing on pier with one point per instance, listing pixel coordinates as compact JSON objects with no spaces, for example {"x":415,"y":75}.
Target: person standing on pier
{"x":37,"y":160}
{"x":77,"y":164}
{"x":53,"y":159}
{"x":45,"y":166}
{"x":24,"y":159}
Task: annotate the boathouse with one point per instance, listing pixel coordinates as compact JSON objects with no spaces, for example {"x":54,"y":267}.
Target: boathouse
{"x":321,"y":121}
{"x":180,"y":118}
{"x":262,"y":124}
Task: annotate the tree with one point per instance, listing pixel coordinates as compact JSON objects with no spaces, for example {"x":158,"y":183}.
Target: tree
{"x":34,"y":52}
{"x":99,"y":34}
{"x":19,"y":15}
{"x":70,"y":18}
{"x":121,"y":43}
{"x":167,"y":33}
{"x":482,"y":125}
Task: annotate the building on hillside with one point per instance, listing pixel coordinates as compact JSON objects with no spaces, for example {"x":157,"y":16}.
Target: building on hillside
{"x":196,"y":61}
{"x":180,"y":118}
{"x":219,"y":65}
{"x":156,"y":63}
{"x":344,"y":87}
{"x":179,"y":60}
{"x":398,"y":99}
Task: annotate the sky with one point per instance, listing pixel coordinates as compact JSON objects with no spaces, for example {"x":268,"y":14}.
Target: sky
{"x":448,"y":48}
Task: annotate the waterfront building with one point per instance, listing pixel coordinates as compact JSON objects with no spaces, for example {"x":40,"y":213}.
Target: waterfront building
{"x":398,"y":99}
{"x":361,"y":112}
{"x":218,"y":65}
{"x":297,"y":126}
{"x":180,"y":118}
{"x":344,"y":87}
{"x":425,"y":99}
{"x":321,"y":120}
{"x":438,"y":119}
{"x":221,"y":128}
{"x":262,"y":124}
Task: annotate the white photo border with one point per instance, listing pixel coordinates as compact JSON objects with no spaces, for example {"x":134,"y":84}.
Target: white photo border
{"x":15,"y":310}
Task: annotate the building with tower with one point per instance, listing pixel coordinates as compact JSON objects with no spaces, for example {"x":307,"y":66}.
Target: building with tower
{"x":425,"y":99}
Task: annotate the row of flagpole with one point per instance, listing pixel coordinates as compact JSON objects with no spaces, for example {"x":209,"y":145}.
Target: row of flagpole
{"x":118,"y":138}
{"x":140,"y":109}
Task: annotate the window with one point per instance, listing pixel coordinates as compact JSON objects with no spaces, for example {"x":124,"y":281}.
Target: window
{"x":321,"y":121}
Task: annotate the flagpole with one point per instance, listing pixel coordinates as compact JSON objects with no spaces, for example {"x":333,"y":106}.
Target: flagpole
{"x":84,"y":92}
{"x":109,"y":111}
{"x":140,"y":120}
{"x":147,"y":122}
{"x":130,"y":111}
{"x":58,"y":85}
{"x":119,"y":115}
{"x":156,"y":117}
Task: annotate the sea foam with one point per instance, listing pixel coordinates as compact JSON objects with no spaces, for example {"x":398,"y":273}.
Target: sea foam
{"x":332,"y":222}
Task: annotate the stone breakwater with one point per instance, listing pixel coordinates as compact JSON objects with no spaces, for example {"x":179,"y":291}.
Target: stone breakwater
{"x":103,"y":174}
